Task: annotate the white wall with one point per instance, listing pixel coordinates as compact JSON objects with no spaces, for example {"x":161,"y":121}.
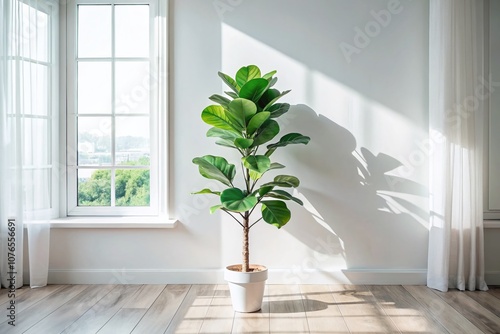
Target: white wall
{"x":364,"y":229}
{"x":492,"y":235}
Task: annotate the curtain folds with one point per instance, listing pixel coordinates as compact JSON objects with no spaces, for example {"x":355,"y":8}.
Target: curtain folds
{"x":456,"y":97}
{"x":27,"y":123}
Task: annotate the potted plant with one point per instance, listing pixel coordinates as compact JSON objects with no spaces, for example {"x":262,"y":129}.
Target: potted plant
{"x":245,"y":121}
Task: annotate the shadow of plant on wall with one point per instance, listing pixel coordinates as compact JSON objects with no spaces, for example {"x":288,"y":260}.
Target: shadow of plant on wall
{"x":367,"y":215}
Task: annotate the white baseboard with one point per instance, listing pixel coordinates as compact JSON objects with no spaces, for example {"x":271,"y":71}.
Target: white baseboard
{"x":215,"y":276}
{"x":492,"y":277}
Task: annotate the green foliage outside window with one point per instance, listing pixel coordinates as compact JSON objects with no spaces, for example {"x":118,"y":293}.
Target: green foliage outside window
{"x":131,"y":186}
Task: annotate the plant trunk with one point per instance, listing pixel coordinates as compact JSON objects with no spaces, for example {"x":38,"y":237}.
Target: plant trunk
{"x":246,"y":253}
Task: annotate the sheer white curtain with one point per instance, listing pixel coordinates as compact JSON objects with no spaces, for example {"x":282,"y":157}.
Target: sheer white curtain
{"x":28,"y":123}
{"x":457,"y":92}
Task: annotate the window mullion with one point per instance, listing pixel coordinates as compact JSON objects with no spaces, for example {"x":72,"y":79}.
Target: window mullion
{"x":113,"y":99}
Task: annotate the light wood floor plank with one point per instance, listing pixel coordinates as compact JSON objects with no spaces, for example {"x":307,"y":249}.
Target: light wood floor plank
{"x":189,"y":317}
{"x":159,"y":315}
{"x":220,"y":314}
{"x":360,"y":309}
{"x":97,"y":316}
{"x":145,"y":296}
{"x":28,"y":298}
{"x":286,"y":309}
{"x":487,"y":300}
{"x":37,"y":312}
{"x":494,"y":291}
{"x":4,"y":295}
{"x":68,"y":313}
{"x":472,"y":310}
{"x":405,"y":311}
{"x":124,"y":321}
{"x":451,"y":320}
{"x":322,"y":313}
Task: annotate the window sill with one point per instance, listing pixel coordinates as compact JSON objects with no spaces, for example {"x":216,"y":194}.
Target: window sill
{"x":113,"y":222}
{"x":491,"y":223}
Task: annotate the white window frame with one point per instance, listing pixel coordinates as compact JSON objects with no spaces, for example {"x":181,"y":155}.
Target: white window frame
{"x":158,"y":115}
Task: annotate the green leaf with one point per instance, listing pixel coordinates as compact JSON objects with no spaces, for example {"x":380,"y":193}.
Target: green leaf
{"x":267,"y":132}
{"x":268,"y":96}
{"x":255,"y":175}
{"x":273,"y":82}
{"x":288,"y":179}
{"x":278,"y":184}
{"x":256,"y":122}
{"x":264,"y":190}
{"x":288,"y":139}
{"x":247,"y":73}
{"x":276,"y":165}
{"x":207,"y":191}
{"x":223,"y":134}
{"x":223,"y":101}
{"x":242,"y":109}
{"x":225,"y":143}
{"x":243,"y":143}
{"x":232,"y":94}
{"x":275,"y":213}
{"x":270,"y":103}
{"x":216,"y":168}
{"x":281,"y":194}
{"x":235,"y":200}
{"x":215,"y":115}
{"x":230,"y":82}
{"x":257,"y":163}
{"x":278,"y":109}
{"x":254,"y":89}
{"x":215,"y":208}
{"x":269,"y":75}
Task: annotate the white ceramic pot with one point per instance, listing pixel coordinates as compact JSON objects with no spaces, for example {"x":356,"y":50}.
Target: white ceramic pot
{"x":247,"y":289}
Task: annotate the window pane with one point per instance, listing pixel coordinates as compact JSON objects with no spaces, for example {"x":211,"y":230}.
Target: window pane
{"x":94,"y":31}
{"x":94,"y":87}
{"x":132,"y":187}
{"x":94,"y":187}
{"x":132,"y":31}
{"x":132,"y":87}
{"x":35,"y":88}
{"x":94,"y":141}
{"x":36,"y":142}
{"x":37,"y":189}
{"x":132,"y":141}
{"x":32,"y":38}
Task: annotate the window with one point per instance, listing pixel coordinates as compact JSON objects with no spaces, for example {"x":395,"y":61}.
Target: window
{"x":32,"y":81}
{"x":116,"y":118}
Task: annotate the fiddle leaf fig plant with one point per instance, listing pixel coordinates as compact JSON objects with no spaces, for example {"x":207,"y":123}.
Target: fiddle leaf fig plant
{"x":245,"y":121}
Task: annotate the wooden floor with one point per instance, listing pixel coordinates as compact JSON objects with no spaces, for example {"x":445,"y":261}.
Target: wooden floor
{"x":286,"y":309}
